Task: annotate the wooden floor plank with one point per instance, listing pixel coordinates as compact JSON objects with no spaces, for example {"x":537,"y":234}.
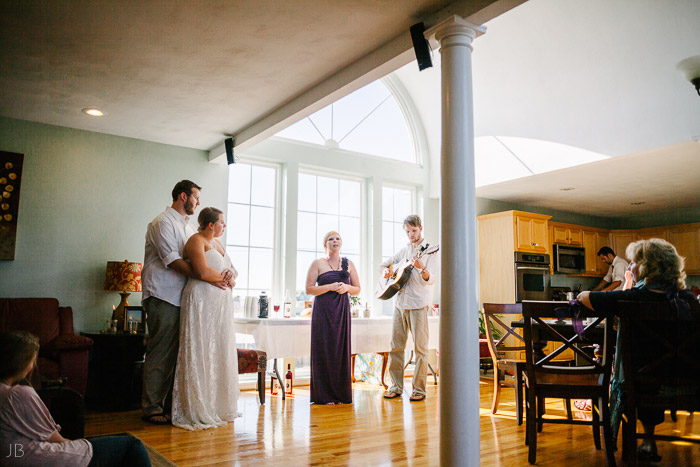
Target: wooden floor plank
{"x":373,"y":431}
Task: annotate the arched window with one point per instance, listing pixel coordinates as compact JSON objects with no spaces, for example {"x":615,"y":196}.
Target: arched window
{"x":368,"y":121}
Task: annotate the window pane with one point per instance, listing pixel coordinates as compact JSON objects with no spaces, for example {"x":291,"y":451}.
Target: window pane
{"x":322,"y":121}
{"x":356,"y":261}
{"x":303,"y":130}
{"x":387,"y":204}
{"x":304,"y":260}
{"x":327,"y":195}
{"x":350,"y":198}
{"x":237,"y":228}
{"x":239,"y":258}
{"x":387,"y":238}
{"x":324,"y":224}
{"x":261,"y":265}
{"x":262,"y":231}
{"x":263,"y":186}
{"x":307,"y":192}
{"x":400,"y":238}
{"x":350,"y":232}
{"x":402,"y":204}
{"x":306,"y":231}
{"x":239,"y":183}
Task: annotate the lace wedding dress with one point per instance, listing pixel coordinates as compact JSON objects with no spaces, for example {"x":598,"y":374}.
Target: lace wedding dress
{"x":206,"y":377}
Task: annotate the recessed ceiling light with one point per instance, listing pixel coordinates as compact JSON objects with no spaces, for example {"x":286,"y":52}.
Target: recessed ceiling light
{"x":638,"y":203}
{"x":569,"y":188}
{"x":93,"y":112}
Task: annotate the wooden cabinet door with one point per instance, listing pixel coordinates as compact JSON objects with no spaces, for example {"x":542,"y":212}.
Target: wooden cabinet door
{"x":560,"y":234}
{"x":523,"y":233}
{"x":687,"y":243}
{"x":645,"y":234}
{"x":540,"y":235}
{"x":619,"y":242}
{"x":576,"y":237}
{"x":602,"y":239}
{"x":590,"y":243}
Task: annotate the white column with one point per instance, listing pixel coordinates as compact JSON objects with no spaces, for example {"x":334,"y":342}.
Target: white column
{"x":459,"y":334}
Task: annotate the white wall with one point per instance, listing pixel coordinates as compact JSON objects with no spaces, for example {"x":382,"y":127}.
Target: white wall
{"x":86,"y":198}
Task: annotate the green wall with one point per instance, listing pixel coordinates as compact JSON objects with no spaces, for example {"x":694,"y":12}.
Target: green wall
{"x":86,"y":198}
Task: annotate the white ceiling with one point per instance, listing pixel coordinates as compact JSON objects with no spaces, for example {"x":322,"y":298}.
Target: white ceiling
{"x":598,"y":75}
{"x":187,"y":72}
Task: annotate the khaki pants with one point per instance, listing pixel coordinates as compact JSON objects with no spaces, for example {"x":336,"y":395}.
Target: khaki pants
{"x":163,"y":320}
{"x":417,"y":322}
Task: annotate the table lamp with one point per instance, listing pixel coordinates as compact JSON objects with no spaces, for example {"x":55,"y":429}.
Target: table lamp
{"x":123,"y":277}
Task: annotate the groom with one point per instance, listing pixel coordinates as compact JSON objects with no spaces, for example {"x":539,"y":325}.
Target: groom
{"x":164,"y":275}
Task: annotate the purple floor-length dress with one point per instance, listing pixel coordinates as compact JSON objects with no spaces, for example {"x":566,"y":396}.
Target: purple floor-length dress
{"x":330,"y":342}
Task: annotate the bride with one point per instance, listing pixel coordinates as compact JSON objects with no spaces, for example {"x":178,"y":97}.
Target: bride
{"x":206,"y":378}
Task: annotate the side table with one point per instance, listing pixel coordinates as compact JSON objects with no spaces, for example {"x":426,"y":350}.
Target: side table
{"x":115,"y":371}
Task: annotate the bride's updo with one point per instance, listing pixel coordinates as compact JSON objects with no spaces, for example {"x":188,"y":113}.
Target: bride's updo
{"x":208,"y":216}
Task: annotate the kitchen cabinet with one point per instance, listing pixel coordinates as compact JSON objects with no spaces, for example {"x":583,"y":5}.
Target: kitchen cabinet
{"x":500,"y":236}
{"x":590,"y":243}
{"x":566,"y":234}
{"x":654,"y":232}
{"x":686,"y":239}
{"x":619,"y":239}
{"x":531,"y":233}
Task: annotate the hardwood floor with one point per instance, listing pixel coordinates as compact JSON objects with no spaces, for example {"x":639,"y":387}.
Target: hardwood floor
{"x":373,"y":431}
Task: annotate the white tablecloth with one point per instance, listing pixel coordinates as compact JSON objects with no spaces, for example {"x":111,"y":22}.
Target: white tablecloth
{"x":291,"y":337}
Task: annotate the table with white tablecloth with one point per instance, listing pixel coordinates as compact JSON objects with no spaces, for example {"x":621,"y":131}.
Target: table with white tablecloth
{"x":291,"y":337}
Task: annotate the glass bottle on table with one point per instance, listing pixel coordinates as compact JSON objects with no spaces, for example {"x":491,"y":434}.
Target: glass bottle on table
{"x":287,"y":305}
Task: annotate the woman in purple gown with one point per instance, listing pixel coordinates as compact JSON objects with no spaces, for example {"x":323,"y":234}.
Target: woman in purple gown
{"x":331,"y":279}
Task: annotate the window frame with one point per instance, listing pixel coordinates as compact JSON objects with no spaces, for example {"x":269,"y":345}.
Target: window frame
{"x":277,"y":260}
{"x":364,"y":257}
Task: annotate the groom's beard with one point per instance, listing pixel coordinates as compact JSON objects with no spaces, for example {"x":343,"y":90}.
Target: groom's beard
{"x":189,"y":207}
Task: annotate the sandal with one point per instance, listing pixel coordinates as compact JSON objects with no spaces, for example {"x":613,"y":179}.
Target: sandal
{"x":417,"y":397}
{"x":391,"y":395}
{"x":152,"y":418}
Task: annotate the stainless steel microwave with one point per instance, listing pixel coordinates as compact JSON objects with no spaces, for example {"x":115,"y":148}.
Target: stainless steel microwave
{"x":569,"y":259}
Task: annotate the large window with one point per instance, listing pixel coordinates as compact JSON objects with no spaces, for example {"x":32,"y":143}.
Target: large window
{"x":325,"y":204}
{"x":251,"y":227}
{"x":368,"y":121}
{"x":397,"y":203}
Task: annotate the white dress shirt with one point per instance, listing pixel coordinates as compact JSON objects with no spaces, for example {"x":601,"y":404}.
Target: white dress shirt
{"x":616,"y":272}
{"x":417,"y":293}
{"x":165,"y":242}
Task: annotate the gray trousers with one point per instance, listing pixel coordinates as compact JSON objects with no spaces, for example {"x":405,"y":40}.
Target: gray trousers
{"x":417,"y":322}
{"x":163,"y":320}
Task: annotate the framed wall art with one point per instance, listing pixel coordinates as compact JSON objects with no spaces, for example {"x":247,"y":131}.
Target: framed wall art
{"x":10,"y":181}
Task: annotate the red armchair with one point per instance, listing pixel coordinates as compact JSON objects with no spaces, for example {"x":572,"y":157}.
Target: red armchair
{"x":61,"y":352}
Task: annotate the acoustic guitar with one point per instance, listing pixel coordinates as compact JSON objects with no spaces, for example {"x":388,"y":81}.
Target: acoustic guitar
{"x":400,"y":273}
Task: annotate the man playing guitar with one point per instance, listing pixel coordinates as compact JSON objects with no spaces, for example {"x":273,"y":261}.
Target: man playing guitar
{"x":411,"y":307}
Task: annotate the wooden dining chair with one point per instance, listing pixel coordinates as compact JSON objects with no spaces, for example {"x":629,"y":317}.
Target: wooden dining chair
{"x":503,"y":338}
{"x":588,"y":379}
{"x":661,"y":364}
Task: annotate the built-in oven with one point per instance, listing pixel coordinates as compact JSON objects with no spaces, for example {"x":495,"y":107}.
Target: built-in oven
{"x":569,"y":259}
{"x":532,"y":277}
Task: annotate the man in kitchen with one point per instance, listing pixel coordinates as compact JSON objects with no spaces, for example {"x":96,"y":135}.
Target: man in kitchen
{"x":615,"y":277}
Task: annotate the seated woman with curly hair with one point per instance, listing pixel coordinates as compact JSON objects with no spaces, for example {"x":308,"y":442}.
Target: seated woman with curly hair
{"x":27,"y":426}
{"x":655,"y":274}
